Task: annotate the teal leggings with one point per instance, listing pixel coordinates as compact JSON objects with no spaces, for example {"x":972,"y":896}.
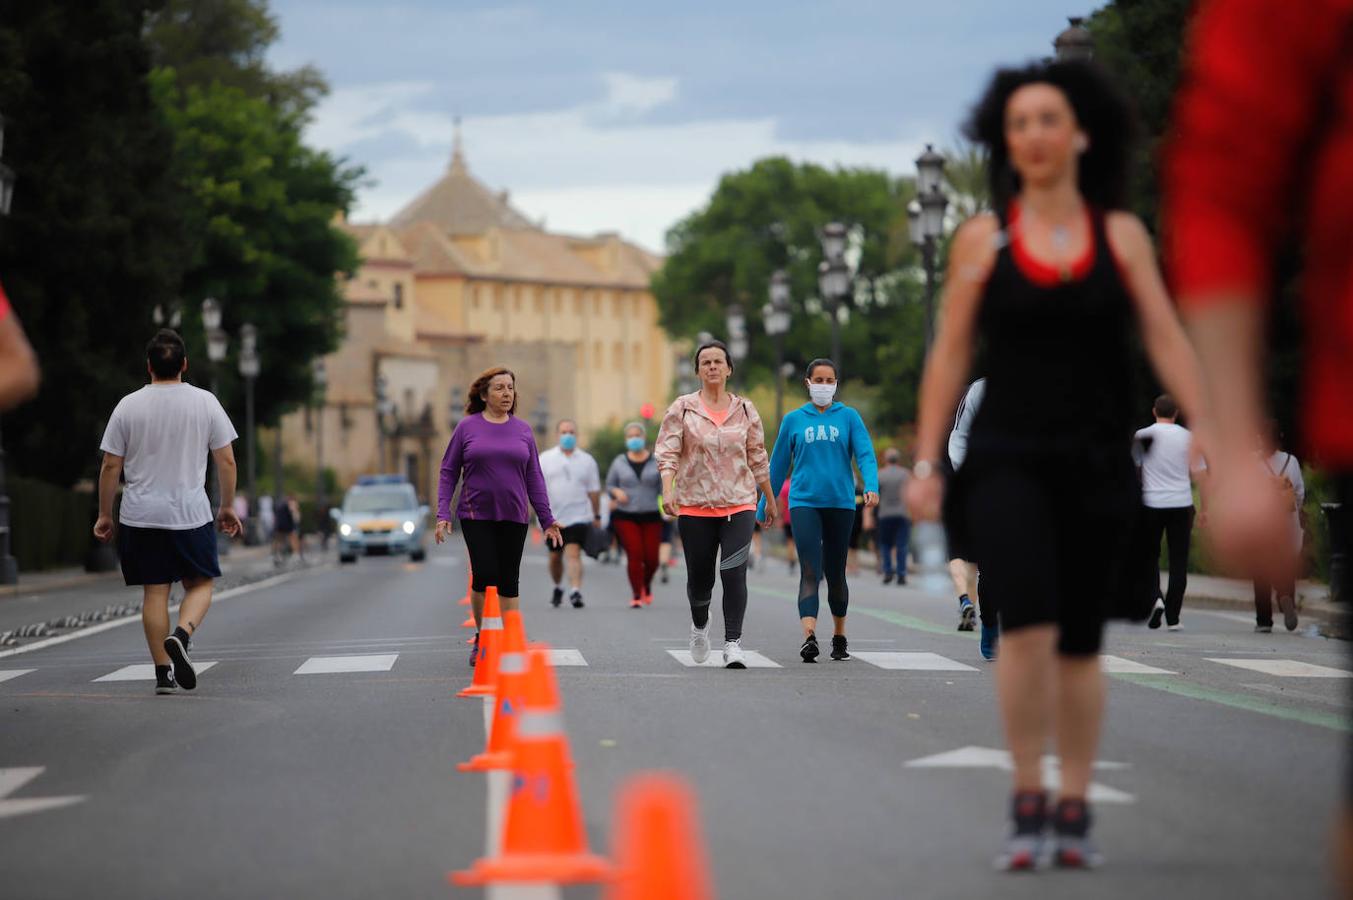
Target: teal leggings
{"x":822,"y":537}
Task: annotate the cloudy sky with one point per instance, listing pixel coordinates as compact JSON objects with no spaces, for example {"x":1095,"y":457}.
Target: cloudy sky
{"x":622,"y":115}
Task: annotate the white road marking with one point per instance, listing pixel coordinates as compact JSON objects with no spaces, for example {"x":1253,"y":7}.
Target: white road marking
{"x":989,"y":758}
{"x":13,"y":779}
{"x":127,"y":620}
{"x":329,"y":665}
{"x":567,"y":658}
{"x":911,"y":661}
{"x":753,"y":659}
{"x":1116,"y":665}
{"x":1283,"y":668}
{"x":8,"y":674}
{"x":448,"y":561}
{"x":145,"y":672}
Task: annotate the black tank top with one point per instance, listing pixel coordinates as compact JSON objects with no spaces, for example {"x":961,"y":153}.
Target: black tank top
{"x":1058,"y":357}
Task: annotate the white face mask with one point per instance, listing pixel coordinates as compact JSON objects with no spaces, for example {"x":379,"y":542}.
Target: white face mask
{"x":822,"y":394}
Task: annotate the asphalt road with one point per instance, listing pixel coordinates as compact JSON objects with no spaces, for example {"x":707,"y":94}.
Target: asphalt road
{"x":1219,"y":780}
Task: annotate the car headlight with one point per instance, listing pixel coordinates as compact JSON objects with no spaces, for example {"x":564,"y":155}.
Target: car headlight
{"x":408,"y":527}
{"x":345,"y":529}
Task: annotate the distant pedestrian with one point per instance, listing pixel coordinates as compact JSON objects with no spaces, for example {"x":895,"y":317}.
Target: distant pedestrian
{"x":711,"y":452}
{"x":19,"y":375}
{"x":820,"y":440}
{"x":159,"y":438}
{"x":574,"y":483}
{"x":963,"y":568}
{"x":1052,"y":284}
{"x":492,"y":456}
{"x":894,"y":528}
{"x":286,"y":530}
{"x":635,"y":487}
{"x":1167,"y":472}
{"x":1285,"y":470}
{"x":267,"y":518}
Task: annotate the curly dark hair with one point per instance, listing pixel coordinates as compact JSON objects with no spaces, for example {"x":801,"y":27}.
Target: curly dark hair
{"x":1101,"y":110}
{"x":474,"y":398}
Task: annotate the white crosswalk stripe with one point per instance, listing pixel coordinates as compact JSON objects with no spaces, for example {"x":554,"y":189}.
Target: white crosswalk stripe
{"x":567,"y":658}
{"x":1283,"y":668}
{"x":753,"y":659}
{"x":332,"y":665}
{"x":910,"y":661}
{"x":9,"y":674}
{"x":1116,"y":665}
{"x":145,"y":672}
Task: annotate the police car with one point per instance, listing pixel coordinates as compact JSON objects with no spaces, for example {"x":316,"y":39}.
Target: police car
{"x":381,"y":514}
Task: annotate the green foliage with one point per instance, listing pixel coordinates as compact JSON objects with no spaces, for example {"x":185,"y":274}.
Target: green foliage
{"x":225,"y":42}
{"x":51,"y":524}
{"x":608,"y":442}
{"x":95,"y":238}
{"x":258,"y":209}
{"x":767,"y":218}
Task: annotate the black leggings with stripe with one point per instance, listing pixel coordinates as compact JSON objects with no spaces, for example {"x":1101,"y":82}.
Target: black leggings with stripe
{"x":727,"y":539}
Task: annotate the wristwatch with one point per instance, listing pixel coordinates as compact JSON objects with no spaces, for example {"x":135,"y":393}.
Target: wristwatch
{"x":923,"y":469}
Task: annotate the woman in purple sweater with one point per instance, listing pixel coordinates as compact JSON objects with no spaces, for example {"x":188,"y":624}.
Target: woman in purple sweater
{"x":493,"y":455}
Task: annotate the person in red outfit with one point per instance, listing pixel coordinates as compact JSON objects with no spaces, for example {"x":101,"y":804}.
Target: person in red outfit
{"x":19,"y":375}
{"x":1262,"y":157}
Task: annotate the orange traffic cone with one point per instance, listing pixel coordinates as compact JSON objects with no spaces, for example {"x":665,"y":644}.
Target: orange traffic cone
{"x":543,"y":837}
{"x":507,"y":702}
{"x":658,"y":851}
{"x":490,"y":638}
{"x":469,"y":586}
{"x":469,"y":621}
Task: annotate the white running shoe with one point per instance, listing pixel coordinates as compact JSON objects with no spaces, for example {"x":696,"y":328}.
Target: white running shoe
{"x":700,"y":643}
{"x":732,"y":655}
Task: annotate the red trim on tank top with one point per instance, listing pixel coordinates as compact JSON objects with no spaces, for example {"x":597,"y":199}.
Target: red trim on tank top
{"x":1046,"y":274}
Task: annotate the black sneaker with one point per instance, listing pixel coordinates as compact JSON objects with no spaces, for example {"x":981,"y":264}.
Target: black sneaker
{"x":1157,"y":612}
{"x":1288,"y":606}
{"x":184,"y":673}
{"x":474,"y":650}
{"x":967,"y":614}
{"x":839,"y":651}
{"x":1024,"y":847}
{"x":662,"y":573}
{"x":164,"y":680}
{"x":809,"y":650}
{"x":557,"y":598}
{"x":888,"y":578}
{"x":1074,"y":850}
{"x":576,"y":598}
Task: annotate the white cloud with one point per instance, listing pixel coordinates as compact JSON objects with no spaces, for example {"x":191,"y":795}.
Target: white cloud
{"x":581,"y":172}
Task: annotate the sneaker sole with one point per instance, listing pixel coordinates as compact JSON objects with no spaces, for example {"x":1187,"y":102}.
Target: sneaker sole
{"x":166,"y":690}
{"x":184,"y":673}
{"x":735,"y":665}
{"x":967,"y":619}
{"x":1157,"y":614}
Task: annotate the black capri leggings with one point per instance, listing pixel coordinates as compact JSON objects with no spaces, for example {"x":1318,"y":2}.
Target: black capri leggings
{"x":730,"y":539}
{"x":495,"y":554}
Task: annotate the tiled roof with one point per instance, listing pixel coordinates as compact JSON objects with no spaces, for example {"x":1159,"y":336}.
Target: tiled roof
{"x":460,"y":204}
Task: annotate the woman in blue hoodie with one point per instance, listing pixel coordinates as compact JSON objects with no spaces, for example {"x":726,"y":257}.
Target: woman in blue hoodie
{"x":820,"y":439}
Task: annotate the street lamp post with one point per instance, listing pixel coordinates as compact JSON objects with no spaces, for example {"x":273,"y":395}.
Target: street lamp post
{"x":540,"y":418}
{"x":217,"y":346}
{"x":383,"y":408}
{"x":926,"y":222}
{"x":737,"y":338}
{"x":833,"y":279}
{"x":9,"y":566}
{"x":321,"y":381}
{"x":1076,"y":43}
{"x":776,"y":316}
{"x":249,"y":368}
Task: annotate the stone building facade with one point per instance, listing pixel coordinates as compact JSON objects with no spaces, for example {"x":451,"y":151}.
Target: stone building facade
{"x":459,"y":281}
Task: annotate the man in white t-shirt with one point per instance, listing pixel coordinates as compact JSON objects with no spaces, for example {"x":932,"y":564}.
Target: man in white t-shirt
{"x":159,"y":438}
{"x":1167,"y":471}
{"x":574,"y":485}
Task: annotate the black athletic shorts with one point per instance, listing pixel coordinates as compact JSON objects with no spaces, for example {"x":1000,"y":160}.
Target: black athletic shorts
{"x":164,"y":556}
{"x":1053,"y":538}
{"x":573,"y":534}
{"x":495,"y":548}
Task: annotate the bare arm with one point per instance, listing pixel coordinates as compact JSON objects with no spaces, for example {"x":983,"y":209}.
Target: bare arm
{"x":947,"y":367}
{"x":109,"y":475}
{"x":19,"y":374}
{"x":226,"y":474}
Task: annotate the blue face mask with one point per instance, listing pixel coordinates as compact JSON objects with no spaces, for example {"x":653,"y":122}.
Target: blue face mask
{"x":634,"y":444}
{"x":568,"y":441}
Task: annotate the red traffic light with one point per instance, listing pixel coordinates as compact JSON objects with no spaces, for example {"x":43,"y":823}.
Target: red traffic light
{"x":646,"y":411}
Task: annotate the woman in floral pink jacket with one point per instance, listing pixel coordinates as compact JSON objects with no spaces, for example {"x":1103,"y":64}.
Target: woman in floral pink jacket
{"x":711,"y":453}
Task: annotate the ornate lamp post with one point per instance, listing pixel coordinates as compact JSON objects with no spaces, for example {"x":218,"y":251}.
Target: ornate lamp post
{"x":217,"y":346}
{"x":926,"y":222}
{"x":776,"y":316}
{"x":540,"y":418}
{"x":833,"y":279}
{"x":1075,"y":44}
{"x":249,"y":368}
{"x":737,"y":337}
{"x":320,"y":378}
